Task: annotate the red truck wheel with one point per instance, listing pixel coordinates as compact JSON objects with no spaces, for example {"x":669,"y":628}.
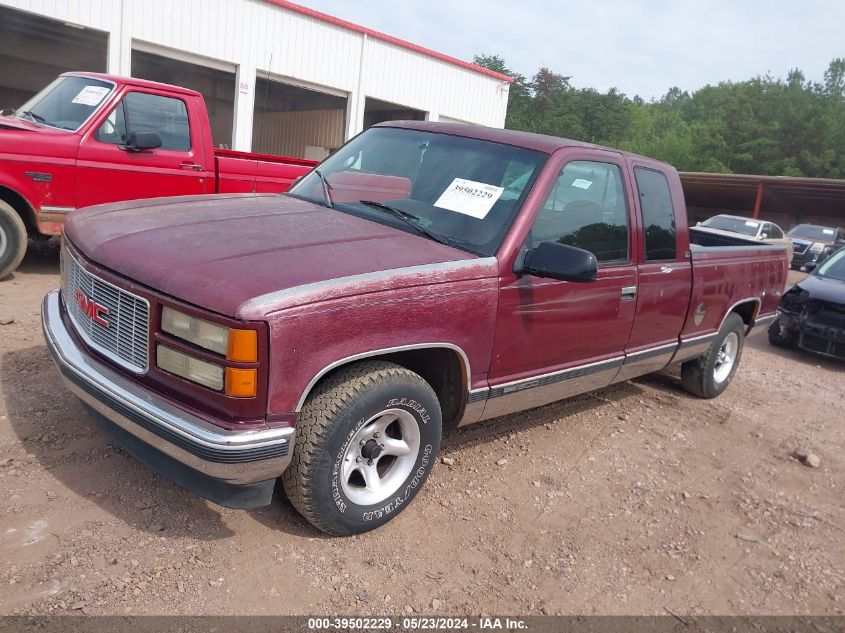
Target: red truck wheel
{"x":710,"y":375}
{"x":12,"y":239}
{"x":366,"y":441}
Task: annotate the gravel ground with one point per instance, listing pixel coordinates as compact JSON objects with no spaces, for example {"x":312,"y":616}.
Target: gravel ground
{"x":634,"y":499}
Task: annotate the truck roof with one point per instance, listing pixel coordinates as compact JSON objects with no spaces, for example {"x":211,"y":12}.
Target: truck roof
{"x":132,"y":81}
{"x":528,"y":140}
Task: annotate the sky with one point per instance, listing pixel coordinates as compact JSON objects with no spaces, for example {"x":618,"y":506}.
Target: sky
{"x":642,"y":47}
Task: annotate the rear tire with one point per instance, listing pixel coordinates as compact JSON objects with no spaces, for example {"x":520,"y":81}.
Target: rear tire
{"x":709,"y":375}
{"x":12,"y":239}
{"x":366,"y":440}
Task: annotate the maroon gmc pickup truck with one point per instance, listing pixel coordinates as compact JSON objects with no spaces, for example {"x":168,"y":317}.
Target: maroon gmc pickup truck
{"x":424,"y":276}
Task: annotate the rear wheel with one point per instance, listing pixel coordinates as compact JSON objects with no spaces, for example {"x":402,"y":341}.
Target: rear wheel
{"x":366,"y":441}
{"x":710,"y":375}
{"x":12,"y":239}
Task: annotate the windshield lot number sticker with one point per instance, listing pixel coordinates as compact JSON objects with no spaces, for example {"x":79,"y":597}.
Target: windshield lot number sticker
{"x":90,"y":95}
{"x":582,"y":183}
{"x":471,"y":198}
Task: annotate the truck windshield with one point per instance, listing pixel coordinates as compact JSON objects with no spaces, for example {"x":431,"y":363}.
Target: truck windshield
{"x":66,"y":103}
{"x":734,"y":225}
{"x":813,"y":232}
{"x":833,"y":267}
{"x":464,"y":192}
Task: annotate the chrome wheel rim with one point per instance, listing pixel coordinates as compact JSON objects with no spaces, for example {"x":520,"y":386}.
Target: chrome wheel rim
{"x":3,"y":241}
{"x":380,"y":457}
{"x":726,"y":357}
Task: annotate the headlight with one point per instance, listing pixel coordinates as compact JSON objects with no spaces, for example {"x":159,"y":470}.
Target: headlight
{"x":193,"y":369}
{"x":817,"y":248}
{"x":197,"y":331}
{"x":234,"y":344}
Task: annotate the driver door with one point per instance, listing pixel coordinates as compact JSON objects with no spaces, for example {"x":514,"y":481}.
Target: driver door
{"x":556,"y":338}
{"x":108,"y":172}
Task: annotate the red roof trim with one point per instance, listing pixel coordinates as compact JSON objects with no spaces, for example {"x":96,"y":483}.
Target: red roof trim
{"x":325,"y":17}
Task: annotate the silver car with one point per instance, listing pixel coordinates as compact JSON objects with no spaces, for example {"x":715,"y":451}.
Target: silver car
{"x":767,"y":232}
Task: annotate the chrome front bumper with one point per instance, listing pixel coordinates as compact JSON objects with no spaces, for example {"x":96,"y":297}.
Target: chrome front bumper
{"x":230,"y":457}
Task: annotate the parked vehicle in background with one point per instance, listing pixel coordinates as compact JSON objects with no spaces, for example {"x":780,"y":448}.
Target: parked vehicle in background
{"x":426,"y":275}
{"x":811,"y":314}
{"x":811,"y":243}
{"x":90,"y":138}
{"x":761,"y":230}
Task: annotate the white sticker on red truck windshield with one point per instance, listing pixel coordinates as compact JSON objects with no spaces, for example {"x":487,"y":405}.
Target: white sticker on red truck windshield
{"x":469,"y":197}
{"x":91,"y":95}
{"x":582,"y":183}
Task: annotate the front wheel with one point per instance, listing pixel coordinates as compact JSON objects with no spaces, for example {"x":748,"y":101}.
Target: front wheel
{"x":780,"y":335}
{"x":12,"y":239}
{"x":710,"y":375}
{"x":366,"y":441}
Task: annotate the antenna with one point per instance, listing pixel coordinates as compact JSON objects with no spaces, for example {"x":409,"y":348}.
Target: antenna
{"x":264,"y":106}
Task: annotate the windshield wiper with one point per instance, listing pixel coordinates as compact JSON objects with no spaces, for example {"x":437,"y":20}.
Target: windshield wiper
{"x":327,"y":189}
{"x":37,"y":118}
{"x":408,"y":218}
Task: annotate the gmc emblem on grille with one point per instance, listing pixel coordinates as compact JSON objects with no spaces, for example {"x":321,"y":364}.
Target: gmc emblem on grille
{"x":93,"y":309}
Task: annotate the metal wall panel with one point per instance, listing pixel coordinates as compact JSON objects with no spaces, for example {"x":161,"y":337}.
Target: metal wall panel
{"x":257,"y":36}
{"x":289,"y":133}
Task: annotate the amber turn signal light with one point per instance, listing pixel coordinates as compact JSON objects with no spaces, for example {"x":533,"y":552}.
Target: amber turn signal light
{"x":241,"y":383}
{"x":242,"y":346}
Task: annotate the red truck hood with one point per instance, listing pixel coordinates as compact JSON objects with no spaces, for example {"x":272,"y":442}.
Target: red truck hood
{"x":220,"y":252}
{"x":15,"y":123}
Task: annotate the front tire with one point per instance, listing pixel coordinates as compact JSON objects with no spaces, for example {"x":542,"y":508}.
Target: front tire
{"x":366,"y":441}
{"x":709,"y":375}
{"x":12,"y":239}
{"x":780,"y":336}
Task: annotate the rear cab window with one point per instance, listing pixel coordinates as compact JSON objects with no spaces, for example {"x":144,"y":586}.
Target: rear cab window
{"x":658,"y":215}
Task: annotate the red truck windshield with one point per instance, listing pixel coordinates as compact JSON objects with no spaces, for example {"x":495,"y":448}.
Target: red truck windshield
{"x":66,"y":103}
{"x":461,"y":191}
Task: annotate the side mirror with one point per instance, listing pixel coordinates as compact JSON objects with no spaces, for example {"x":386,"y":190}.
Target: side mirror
{"x":140,"y":141}
{"x":561,"y":261}
{"x":764,"y":236}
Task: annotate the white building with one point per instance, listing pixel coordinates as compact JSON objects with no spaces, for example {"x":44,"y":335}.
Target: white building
{"x":278,"y":77}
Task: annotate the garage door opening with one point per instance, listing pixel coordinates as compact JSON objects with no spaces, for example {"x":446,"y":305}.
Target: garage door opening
{"x":216,"y":86}
{"x":36,"y":50}
{"x":297,"y":122}
{"x":376,"y":111}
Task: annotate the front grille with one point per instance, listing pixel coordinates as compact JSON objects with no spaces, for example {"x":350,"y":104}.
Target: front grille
{"x":125,"y":340}
{"x":821,"y":345}
{"x":828,"y":318}
{"x":799,"y":247}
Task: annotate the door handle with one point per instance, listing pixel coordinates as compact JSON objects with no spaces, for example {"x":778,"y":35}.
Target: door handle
{"x":188,"y":165}
{"x":666,"y":269}
{"x":629,"y":293}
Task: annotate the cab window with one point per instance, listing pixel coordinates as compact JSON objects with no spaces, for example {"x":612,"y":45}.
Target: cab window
{"x":658,"y":215}
{"x":143,"y":112}
{"x":586,"y":208}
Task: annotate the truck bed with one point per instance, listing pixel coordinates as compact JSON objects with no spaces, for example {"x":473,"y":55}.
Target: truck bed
{"x":729,"y":270}
{"x":247,"y":172}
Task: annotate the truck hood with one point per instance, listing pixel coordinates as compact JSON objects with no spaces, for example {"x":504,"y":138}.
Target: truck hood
{"x":15,"y":123}
{"x":224,"y":252}
{"x":823,"y":288}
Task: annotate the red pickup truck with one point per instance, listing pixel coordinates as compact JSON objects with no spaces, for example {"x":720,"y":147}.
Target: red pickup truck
{"x":89,"y":138}
{"x":426,"y":275}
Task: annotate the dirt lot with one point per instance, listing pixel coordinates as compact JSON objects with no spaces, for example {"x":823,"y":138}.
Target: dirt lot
{"x":635,"y":499}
